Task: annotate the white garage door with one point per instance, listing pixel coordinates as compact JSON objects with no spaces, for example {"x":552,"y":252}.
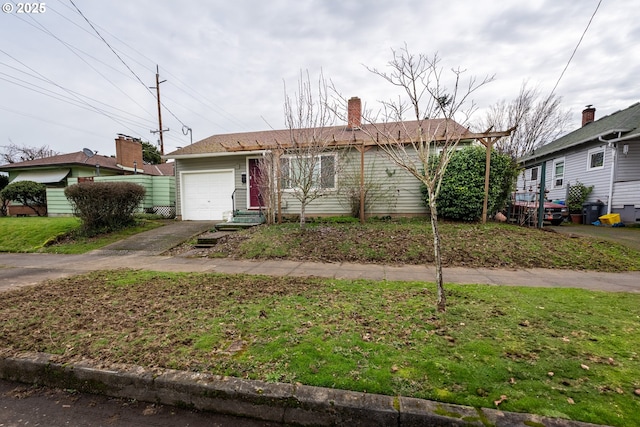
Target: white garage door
{"x":206,"y":195}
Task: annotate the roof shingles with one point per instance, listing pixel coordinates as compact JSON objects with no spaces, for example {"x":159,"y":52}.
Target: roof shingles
{"x":265,"y":140}
{"x":625,"y":122}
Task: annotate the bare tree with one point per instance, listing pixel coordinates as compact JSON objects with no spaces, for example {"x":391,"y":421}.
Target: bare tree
{"x":424,"y":146}
{"x":309,"y":159}
{"x":377,"y":188}
{"x":537,"y":121}
{"x":266,"y":185}
{"x":14,"y":153}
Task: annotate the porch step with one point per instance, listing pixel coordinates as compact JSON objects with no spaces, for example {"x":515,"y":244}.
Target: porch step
{"x":210,"y":239}
{"x":240,"y":213}
{"x":242,"y":219}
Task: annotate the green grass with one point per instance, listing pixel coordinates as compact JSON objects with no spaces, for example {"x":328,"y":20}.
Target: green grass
{"x":557,"y":352}
{"x":58,"y":235}
{"x":30,"y":234}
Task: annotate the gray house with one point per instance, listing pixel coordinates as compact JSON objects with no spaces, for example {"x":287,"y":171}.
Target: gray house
{"x":603,"y":153}
{"x":221,"y":174}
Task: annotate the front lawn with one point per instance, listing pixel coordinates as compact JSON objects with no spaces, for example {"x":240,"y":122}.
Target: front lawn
{"x":411,"y":242}
{"x":58,"y":235}
{"x":566,"y":353}
{"x":30,"y":234}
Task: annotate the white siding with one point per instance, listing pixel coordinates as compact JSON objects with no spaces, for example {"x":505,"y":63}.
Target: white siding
{"x":576,"y":169}
{"x":626,"y":193}
{"x":628,"y":165}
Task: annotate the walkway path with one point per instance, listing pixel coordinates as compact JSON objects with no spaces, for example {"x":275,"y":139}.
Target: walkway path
{"x":144,"y":251}
{"x":27,"y":269}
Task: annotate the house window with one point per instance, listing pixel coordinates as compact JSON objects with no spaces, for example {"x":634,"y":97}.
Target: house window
{"x":595,"y":159}
{"x":534,"y":174}
{"x":558,"y":173}
{"x":294,"y":170}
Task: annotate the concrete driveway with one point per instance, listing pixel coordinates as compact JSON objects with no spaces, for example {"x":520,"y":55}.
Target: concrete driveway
{"x":628,"y":236}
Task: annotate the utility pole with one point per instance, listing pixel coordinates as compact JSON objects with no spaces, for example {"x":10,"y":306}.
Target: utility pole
{"x":160,"y":130}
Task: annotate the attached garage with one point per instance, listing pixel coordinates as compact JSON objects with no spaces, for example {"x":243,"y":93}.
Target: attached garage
{"x":206,"y":195}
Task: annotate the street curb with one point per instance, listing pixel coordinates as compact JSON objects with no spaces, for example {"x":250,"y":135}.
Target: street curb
{"x":286,"y":403}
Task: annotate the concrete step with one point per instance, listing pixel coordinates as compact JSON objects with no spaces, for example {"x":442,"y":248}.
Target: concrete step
{"x":210,"y":239}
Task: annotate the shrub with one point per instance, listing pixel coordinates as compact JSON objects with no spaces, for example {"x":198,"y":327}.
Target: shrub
{"x":105,"y":206}
{"x":4,"y":181}
{"x":30,"y":193}
{"x":578,"y":194}
{"x":462,"y":191}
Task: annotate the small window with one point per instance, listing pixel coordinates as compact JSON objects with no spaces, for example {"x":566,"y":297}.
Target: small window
{"x":534,"y":174}
{"x":558,"y":173}
{"x":595,"y":159}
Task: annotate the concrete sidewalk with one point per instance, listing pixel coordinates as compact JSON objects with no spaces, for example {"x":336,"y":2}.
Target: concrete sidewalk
{"x":284,"y":403}
{"x":27,"y":269}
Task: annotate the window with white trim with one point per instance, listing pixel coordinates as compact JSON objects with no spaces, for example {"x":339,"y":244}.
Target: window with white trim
{"x":323,"y":171}
{"x":558,"y":173}
{"x":534,"y":174}
{"x":595,"y":159}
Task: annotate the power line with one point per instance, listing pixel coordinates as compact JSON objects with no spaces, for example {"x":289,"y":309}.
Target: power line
{"x":66,"y":90}
{"x":73,"y":50}
{"x":69,"y":100}
{"x":191,"y":93}
{"x":122,"y":60}
{"x":47,"y":121}
{"x":576,"y":48}
{"x":109,"y":46}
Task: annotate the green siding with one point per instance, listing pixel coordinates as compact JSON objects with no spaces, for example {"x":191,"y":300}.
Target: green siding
{"x":159,"y":198}
{"x":57,"y":203}
{"x":400,"y":191}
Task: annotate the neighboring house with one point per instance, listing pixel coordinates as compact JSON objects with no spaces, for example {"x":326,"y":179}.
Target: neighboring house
{"x":57,"y":172}
{"x":221,"y":174}
{"x":604,"y":153}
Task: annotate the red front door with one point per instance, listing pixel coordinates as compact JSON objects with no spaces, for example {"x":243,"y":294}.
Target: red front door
{"x":255,"y":197}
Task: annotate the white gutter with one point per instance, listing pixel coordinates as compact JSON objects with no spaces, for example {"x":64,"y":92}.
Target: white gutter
{"x":614,"y":149}
{"x":220,"y":154}
{"x":534,"y":157}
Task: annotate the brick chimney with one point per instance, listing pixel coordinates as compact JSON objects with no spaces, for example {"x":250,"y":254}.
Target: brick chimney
{"x":354,"y":113}
{"x":128,"y":151}
{"x":588,"y":115}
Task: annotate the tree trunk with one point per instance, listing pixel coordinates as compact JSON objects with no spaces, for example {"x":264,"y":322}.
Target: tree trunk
{"x":302,"y":216}
{"x":441,"y":301}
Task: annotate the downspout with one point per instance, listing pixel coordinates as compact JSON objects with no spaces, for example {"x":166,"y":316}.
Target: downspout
{"x":541,"y":196}
{"x":614,"y":149}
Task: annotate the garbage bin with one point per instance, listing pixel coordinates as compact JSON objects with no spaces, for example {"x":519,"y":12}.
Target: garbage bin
{"x":591,"y":211}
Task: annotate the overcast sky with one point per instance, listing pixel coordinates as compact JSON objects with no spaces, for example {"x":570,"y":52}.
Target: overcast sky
{"x":225,"y":62}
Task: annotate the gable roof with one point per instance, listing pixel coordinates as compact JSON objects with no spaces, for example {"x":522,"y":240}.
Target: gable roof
{"x":80,"y":159}
{"x":341,"y":136}
{"x":77,"y":159}
{"x":623,"y":124}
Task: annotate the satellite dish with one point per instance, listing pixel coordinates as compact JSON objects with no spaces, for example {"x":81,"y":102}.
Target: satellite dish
{"x":88,"y":153}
